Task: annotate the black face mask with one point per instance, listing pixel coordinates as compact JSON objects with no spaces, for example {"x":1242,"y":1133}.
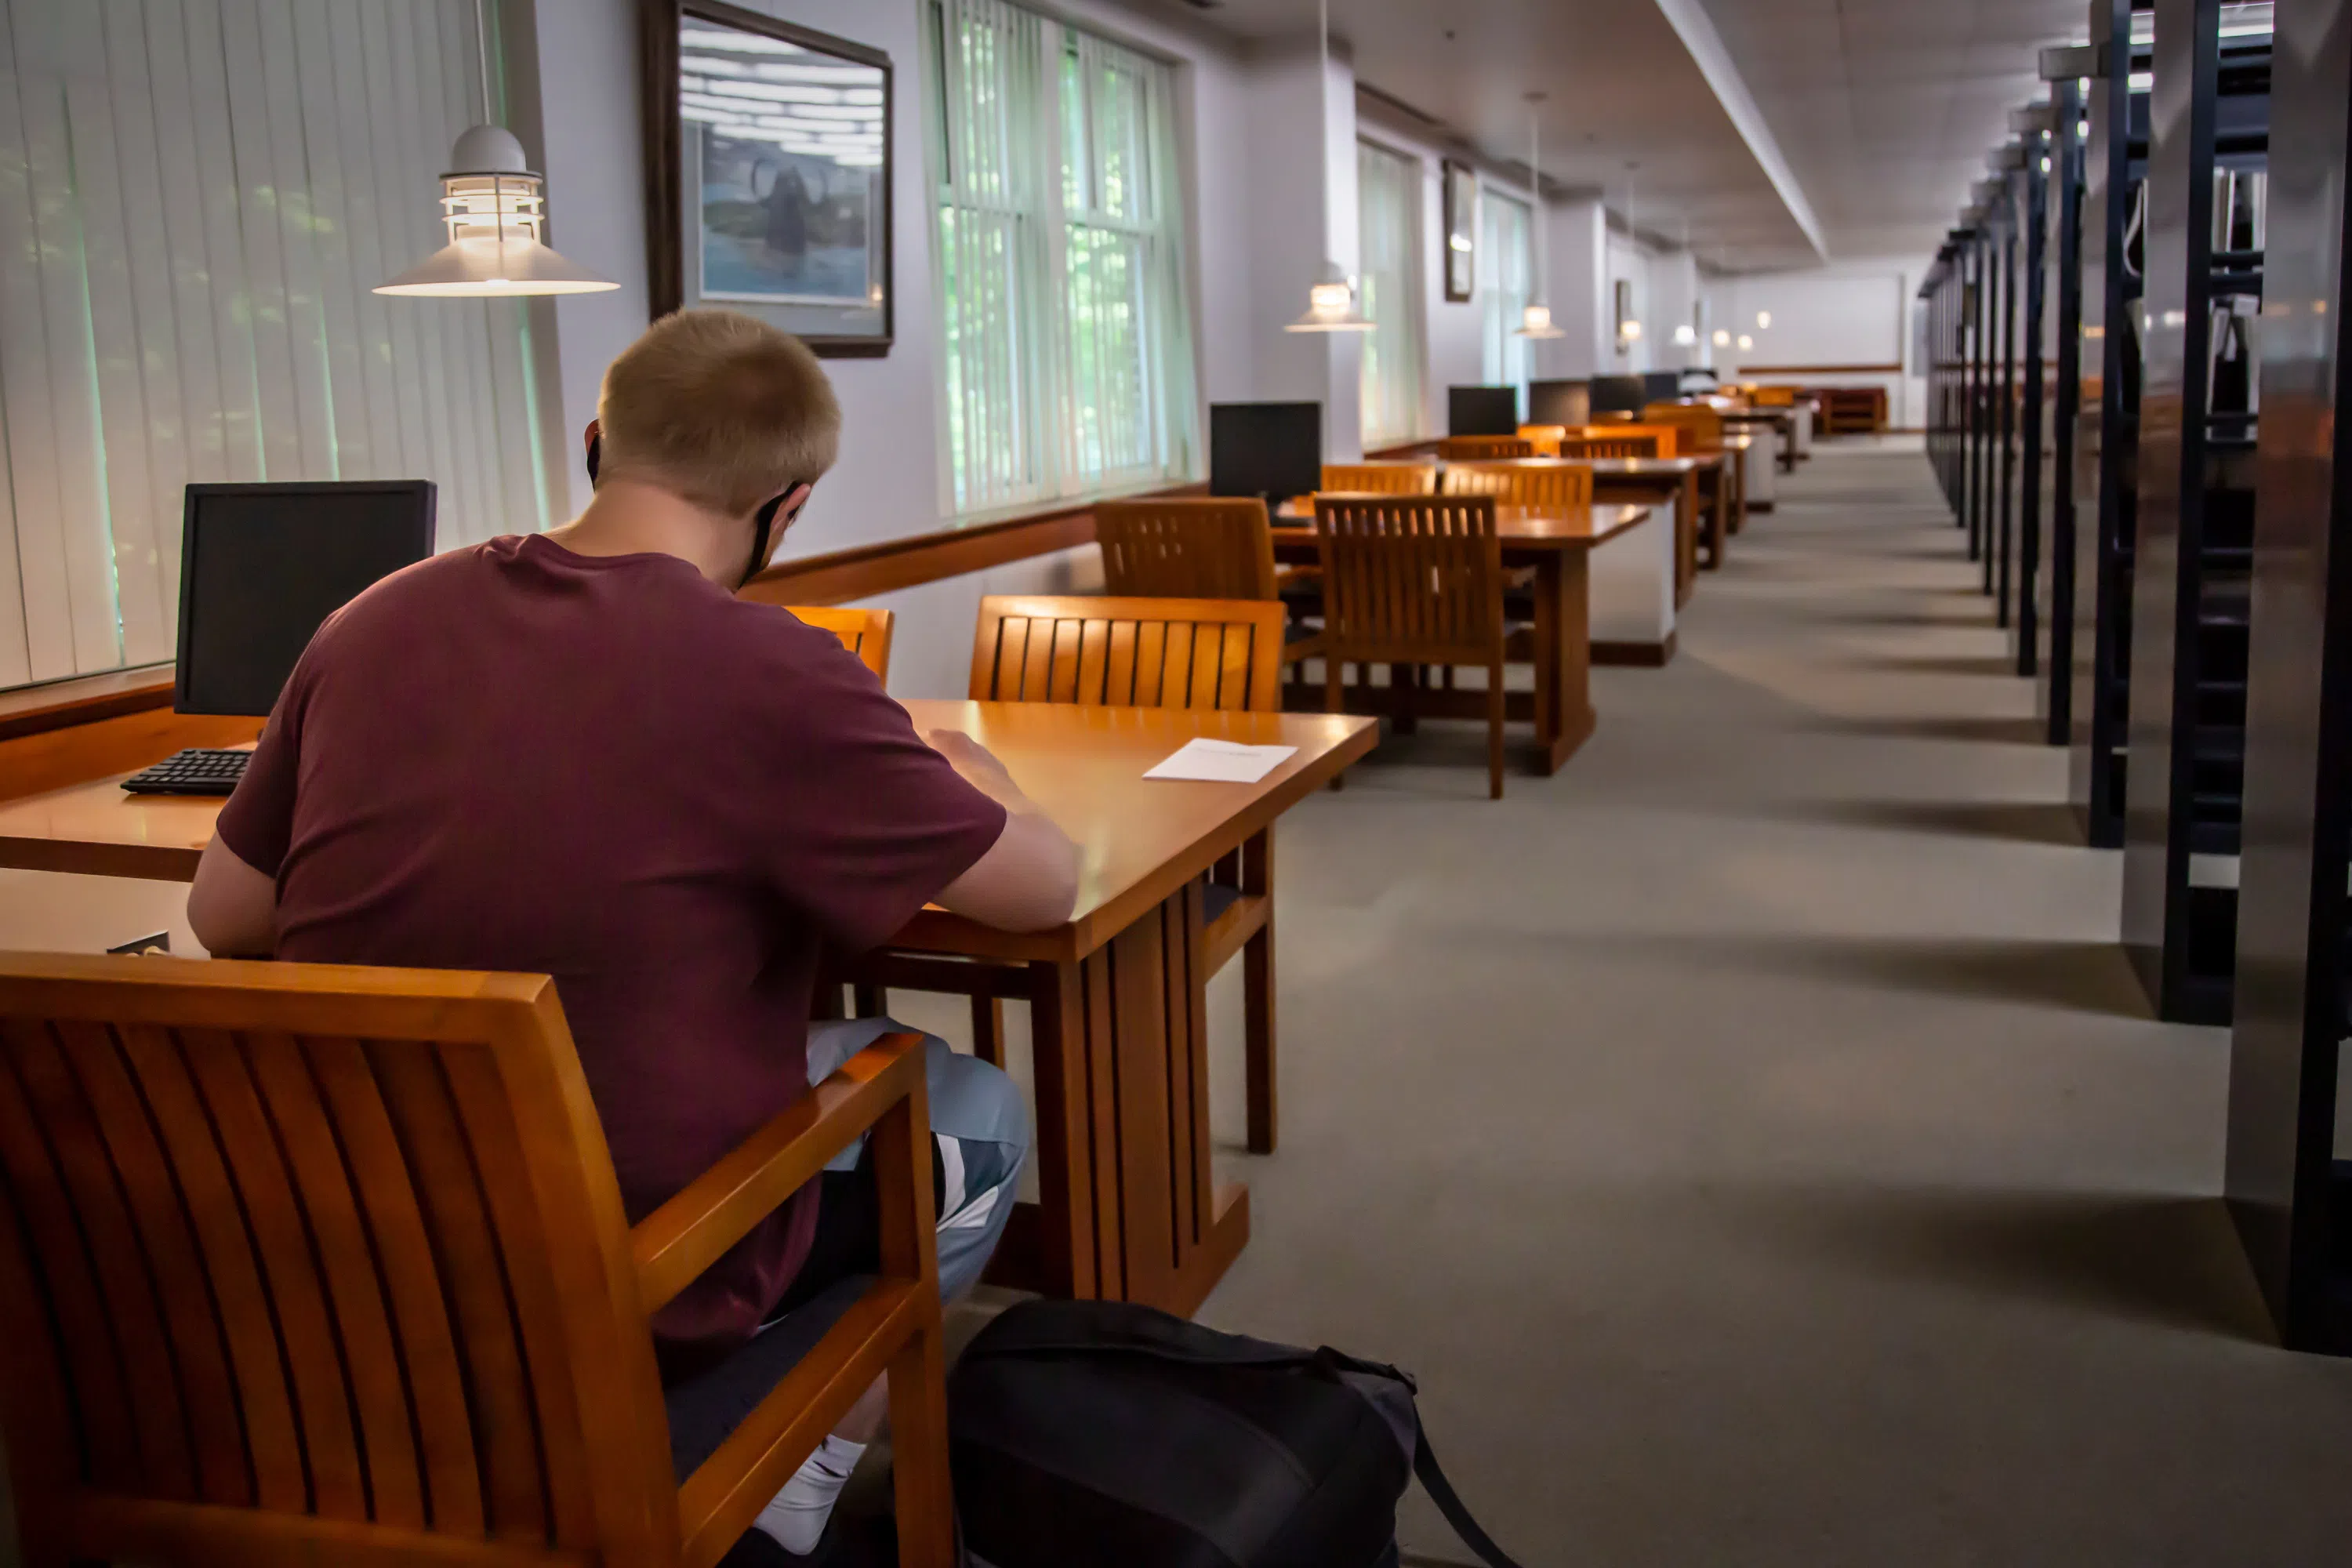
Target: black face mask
{"x":764,"y":521}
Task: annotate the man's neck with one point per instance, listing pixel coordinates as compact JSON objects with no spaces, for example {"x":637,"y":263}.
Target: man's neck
{"x":629,"y":517}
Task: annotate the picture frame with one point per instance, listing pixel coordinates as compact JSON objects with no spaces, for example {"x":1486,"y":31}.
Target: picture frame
{"x":768,"y":173}
{"x":1461,"y":231}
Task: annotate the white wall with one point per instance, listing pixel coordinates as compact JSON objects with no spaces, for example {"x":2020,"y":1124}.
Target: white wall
{"x":1849,"y":312}
{"x":1576,"y":273}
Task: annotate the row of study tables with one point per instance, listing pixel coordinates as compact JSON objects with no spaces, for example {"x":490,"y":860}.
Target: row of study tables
{"x":1128,"y":1204}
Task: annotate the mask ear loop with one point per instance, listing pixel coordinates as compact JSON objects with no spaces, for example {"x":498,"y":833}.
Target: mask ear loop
{"x":596,"y":451}
{"x":762,"y":523}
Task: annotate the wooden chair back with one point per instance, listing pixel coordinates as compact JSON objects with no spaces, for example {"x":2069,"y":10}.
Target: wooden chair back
{"x":1484,"y":448}
{"x":864,"y":632}
{"x":1186,"y":547}
{"x":1382,"y":479}
{"x":1102,"y":652}
{"x":1549,"y":486}
{"x":1411,"y":579}
{"x":306,"y":1263}
{"x":1545,"y":438}
{"x":1625,"y":441}
{"x":1774,"y":396}
{"x":1700,"y":427}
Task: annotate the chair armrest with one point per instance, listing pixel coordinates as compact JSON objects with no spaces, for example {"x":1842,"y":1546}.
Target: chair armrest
{"x":675,"y":1243}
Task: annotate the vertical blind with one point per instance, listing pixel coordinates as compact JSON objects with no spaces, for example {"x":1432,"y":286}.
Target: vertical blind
{"x":196,"y":199}
{"x":1388,"y":198}
{"x":1067,"y":342}
{"x":1506,"y":267}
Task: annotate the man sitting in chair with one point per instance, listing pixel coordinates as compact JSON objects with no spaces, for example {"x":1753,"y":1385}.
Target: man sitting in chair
{"x":578,"y":753}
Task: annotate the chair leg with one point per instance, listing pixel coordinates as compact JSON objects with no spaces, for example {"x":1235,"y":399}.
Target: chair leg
{"x":870,"y":1001}
{"x":988,"y":1029}
{"x":1335,"y":701}
{"x":1495,"y":706}
{"x":1258,"y":1039}
{"x":1403,"y":685}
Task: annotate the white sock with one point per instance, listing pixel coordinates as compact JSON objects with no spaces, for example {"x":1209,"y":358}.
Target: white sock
{"x":794,"y":1517}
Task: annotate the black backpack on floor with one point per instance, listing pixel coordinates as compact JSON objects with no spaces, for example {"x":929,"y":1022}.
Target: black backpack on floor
{"x":1100,"y":1432}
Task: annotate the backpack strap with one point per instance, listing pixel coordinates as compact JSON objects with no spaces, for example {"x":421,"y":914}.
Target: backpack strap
{"x":1449,"y":1503}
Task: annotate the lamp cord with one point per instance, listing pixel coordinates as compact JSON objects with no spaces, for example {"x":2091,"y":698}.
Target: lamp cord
{"x":482,"y":43}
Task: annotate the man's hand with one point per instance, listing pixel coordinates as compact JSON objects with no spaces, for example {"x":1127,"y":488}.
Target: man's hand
{"x":1029,"y":879}
{"x":979,"y":768}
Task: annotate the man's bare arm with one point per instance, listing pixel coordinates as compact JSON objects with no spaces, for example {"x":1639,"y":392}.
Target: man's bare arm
{"x":232,"y":908}
{"x":1028,"y":880}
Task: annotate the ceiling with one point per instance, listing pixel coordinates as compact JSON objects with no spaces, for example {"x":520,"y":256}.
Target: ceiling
{"x":1880,"y":111}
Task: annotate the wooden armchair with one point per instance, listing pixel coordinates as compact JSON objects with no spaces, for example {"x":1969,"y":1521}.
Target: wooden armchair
{"x":1546,"y":438}
{"x":1546,"y":486}
{"x":1190,"y":547}
{"x":1627,"y":441}
{"x":1484,"y":448}
{"x":1698,"y":428}
{"x":1382,"y":479}
{"x":864,"y":632}
{"x":1410,"y":581}
{"x":303,"y":1264}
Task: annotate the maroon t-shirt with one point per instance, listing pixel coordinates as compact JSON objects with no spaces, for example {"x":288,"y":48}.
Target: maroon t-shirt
{"x":609,"y":770}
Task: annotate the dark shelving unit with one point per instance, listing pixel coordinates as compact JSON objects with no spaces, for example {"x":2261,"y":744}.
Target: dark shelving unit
{"x":2063,"y":145}
{"x":2106,"y":468}
{"x":2031,"y":185}
{"x":2289,"y":1190}
{"x":2002,"y":360}
{"x":2191,"y":550}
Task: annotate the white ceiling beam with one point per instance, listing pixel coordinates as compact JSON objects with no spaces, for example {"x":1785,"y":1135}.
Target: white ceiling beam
{"x":1691,"y":24}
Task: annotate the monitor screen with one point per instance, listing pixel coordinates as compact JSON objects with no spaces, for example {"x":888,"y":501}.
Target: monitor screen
{"x":1568,"y":402}
{"x":1273,"y":450}
{"x":261,"y":565}
{"x":1482,"y":411}
{"x":1662,"y":385}
{"x":1618,"y":395}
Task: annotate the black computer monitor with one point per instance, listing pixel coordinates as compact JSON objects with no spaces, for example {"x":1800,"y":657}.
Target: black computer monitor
{"x":1274,"y":450}
{"x":261,"y":565}
{"x":1662,"y":385}
{"x":1568,"y":402}
{"x":1482,"y":411}
{"x":1618,"y":394}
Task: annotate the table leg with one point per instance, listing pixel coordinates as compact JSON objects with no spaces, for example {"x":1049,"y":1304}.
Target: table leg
{"x":1686,"y":539}
{"x":1739,"y":499}
{"x":1563,"y":656}
{"x":1128,"y":1207}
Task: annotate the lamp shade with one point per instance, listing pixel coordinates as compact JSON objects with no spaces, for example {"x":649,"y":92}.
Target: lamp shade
{"x":1535,"y":321}
{"x":1330,"y":305}
{"x":494,"y":208}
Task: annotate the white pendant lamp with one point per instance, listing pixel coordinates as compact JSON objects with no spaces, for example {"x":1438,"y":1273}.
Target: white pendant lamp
{"x":495,"y":209}
{"x":1331,"y":299}
{"x":1535,"y":321}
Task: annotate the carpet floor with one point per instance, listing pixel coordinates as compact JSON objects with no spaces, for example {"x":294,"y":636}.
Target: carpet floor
{"x":1753,"y":1137}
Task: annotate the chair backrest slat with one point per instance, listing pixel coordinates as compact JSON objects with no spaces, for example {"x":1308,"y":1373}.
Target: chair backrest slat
{"x":1382,"y":479}
{"x":864,"y":632}
{"x":1484,"y":448}
{"x":1551,"y":485}
{"x":1186,"y":547}
{"x":1410,"y":577}
{"x":1701,"y":428}
{"x":1120,"y":652}
{"x":1632,"y":442}
{"x":338,"y":1245}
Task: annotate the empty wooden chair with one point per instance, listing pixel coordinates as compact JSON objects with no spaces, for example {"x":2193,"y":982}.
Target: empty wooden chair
{"x":1382,"y":479}
{"x":1699,"y":428}
{"x":1627,"y":441}
{"x":1550,"y":486}
{"x":1186,"y":547}
{"x":1546,"y":438}
{"x":864,"y":632}
{"x":1484,"y":448}
{"x":1413,"y":581}
{"x":314,"y":1264}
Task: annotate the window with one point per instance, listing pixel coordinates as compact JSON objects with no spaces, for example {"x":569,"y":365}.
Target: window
{"x":1068,"y":339}
{"x":1506,"y":267}
{"x":1388,"y":201}
{"x":195,"y":202}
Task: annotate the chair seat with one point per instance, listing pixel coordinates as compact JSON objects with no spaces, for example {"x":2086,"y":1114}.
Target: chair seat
{"x":705,"y":1408}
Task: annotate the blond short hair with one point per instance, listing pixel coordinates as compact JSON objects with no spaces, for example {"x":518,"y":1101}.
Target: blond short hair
{"x":720,"y":408}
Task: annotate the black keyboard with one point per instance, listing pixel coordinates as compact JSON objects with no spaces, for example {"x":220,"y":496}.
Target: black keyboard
{"x":199,"y":770}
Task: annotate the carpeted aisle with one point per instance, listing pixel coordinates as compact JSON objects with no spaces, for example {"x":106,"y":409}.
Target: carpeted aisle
{"x":1752,"y":1136}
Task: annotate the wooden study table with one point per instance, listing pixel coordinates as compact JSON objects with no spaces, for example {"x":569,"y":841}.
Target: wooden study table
{"x":1556,"y":545}
{"x":1129,"y":1208}
{"x":1782,"y":420}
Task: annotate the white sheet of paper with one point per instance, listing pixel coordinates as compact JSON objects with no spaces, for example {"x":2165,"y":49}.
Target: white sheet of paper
{"x":1222,"y":762}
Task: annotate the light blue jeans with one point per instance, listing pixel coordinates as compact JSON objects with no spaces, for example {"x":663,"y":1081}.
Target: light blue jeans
{"x":980,"y":1137}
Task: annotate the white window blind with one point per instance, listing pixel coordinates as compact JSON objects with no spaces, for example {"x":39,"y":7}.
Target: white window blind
{"x":1388,"y":197}
{"x":1067,"y":336}
{"x":196,"y":199}
{"x":1506,"y":267}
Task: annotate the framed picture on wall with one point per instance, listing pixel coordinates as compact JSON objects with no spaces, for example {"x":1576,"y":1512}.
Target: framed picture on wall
{"x":1461,"y":230}
{"x":768,"y":173}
